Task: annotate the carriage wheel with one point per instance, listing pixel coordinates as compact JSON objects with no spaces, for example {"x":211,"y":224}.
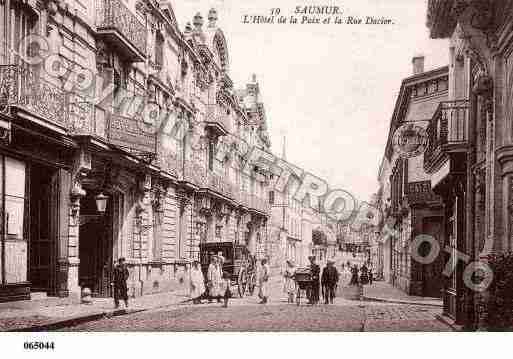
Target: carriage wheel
{"x":242,"y":282}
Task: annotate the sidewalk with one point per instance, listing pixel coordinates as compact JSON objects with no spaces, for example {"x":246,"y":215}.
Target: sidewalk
{"x":385,"y":292}
{"x":44,"y":318}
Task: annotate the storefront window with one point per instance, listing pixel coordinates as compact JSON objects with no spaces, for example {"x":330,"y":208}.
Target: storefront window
{"x":14,"y":255}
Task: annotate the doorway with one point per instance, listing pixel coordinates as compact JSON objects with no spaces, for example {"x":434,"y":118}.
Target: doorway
{"x":44,"y":190}
{"x":95,"y":247}
{"x":432,"y":272}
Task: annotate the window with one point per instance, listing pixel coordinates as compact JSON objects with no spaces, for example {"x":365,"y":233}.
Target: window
{"x":12,"y":199}
{"x":271,"y":197}
{"x":159,"y":49}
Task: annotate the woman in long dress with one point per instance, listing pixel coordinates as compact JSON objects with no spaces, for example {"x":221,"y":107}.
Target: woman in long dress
{"x":263,"y":280}
{"x":197,"y":283}
{"x":214,"y":277}
{"x":289,"y":286}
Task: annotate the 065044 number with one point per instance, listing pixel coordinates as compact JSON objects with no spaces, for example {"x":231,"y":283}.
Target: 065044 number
{"x":39,"y":345}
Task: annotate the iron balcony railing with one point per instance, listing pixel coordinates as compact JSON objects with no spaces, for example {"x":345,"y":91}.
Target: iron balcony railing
{"x":127,"y":132}
{"x":448,"y":126}
{"x":113,"y":17}
{"x":21,"y":87}
{"x":216,"y":117}
{"x":196,"y":174}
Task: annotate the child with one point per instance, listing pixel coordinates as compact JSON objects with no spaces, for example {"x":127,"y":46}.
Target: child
{"x":226,"y":288}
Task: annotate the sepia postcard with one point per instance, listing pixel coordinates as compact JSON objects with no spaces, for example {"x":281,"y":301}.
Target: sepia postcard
{"x":255,"y":166}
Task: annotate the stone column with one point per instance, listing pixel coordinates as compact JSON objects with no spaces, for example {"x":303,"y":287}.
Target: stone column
{"x":82,"y":166}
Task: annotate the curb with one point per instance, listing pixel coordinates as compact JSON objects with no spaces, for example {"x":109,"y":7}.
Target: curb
{"x":398,"y":301}
{"x":72,"y":321}
{"x":450,"y":323}
{"x":75,"y":320}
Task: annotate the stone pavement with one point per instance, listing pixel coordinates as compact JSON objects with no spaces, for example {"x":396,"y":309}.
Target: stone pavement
{"x":43,"y":318}
{"x":274,"y":317}
{"x":385,"y":292}
{"x":391,"y":308}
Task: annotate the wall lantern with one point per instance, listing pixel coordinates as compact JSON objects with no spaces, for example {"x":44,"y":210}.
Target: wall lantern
{"x":101,"y":202}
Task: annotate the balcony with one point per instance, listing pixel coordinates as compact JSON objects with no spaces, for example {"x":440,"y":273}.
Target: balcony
{"x":218,"y":184}
{"x":194,"y":174}
{"x":129,"y":133}
{"x":121,"y":29}
{"x":22,"y":90}
{"x":447,"y":132}
{"x":216,"y":120}
{"x":259,"y":204}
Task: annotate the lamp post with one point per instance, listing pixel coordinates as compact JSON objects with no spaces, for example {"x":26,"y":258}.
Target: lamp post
{"x":101,"y":202}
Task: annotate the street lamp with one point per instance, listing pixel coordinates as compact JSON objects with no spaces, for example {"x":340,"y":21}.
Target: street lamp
{"x":101,"y":202}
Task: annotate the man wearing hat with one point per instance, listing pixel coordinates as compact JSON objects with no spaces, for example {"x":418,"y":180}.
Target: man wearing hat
{"x":121,"y":275}
{"x":315,"y":270}
{"x":329,"y":280}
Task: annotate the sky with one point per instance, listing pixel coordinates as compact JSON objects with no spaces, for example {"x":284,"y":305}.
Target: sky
{"x":329,"y":89}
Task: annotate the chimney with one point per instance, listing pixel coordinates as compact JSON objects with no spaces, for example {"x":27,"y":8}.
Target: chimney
{"x":418,"y":64}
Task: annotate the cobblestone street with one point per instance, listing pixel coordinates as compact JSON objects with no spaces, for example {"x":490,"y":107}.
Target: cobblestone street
{"x":246,"y":315}
{"x":280,"y":317}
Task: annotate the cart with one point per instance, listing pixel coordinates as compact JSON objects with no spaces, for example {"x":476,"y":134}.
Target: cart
{"x":238,"y":262}
{"x":303,"y":279}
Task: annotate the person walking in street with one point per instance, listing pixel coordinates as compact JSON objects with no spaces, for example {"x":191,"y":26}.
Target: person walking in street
{"x":364,"y":278}
{"x":121,"y":275}
{"x":371,"y":276}
{"x":354,"y":276}
{"x":227,"y":293}
{"x":289,"y":286}
{"x":197,"y":283}
{"x":329,"y":280}
{"x":263,"y":281}
{"x":315,"y":271}
{"x":214,"y":278}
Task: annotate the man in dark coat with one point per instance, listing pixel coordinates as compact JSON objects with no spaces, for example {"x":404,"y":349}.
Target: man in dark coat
{"x":121,"y":275}
{"x":315,"y":270}
{"x":329,"y":280}
{"x":364,"y":279}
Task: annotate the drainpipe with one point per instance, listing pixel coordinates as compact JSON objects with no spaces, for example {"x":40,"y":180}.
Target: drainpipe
{"x":470,"y":203}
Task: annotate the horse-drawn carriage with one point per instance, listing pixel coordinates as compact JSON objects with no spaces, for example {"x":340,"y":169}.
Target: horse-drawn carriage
{"x":238,"y":263}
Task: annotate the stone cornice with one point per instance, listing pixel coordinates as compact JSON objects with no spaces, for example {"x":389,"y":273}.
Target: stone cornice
{"x":505,"y":158}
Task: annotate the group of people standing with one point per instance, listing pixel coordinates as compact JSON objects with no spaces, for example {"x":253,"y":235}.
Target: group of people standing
{"x":328,"y":281}
{"x":362,"y":276}
{"x":218,"y":282}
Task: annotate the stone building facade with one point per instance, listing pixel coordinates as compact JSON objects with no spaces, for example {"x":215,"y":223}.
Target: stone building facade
{"x":145,"y":162}
{"x":474,"y":174}
{"x":409,"y":206}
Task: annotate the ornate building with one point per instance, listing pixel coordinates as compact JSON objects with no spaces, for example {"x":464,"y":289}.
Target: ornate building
{"x":145,"y":163}
{"x":472,"y":166}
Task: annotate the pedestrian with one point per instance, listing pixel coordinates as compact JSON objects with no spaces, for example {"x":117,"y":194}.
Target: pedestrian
{"x":289,"y":286}
{"x":214,"y":278}
{"x":227,"y":293}
{"x":354,"y":276}
{"x":329,"y":280}
{"x":315,"y":272}
{"x":364,"y":278}
{"x":371,"y":276}
{"x":263,"y":281}
{"x":197,"y":283}
{"x":121,"y":275}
